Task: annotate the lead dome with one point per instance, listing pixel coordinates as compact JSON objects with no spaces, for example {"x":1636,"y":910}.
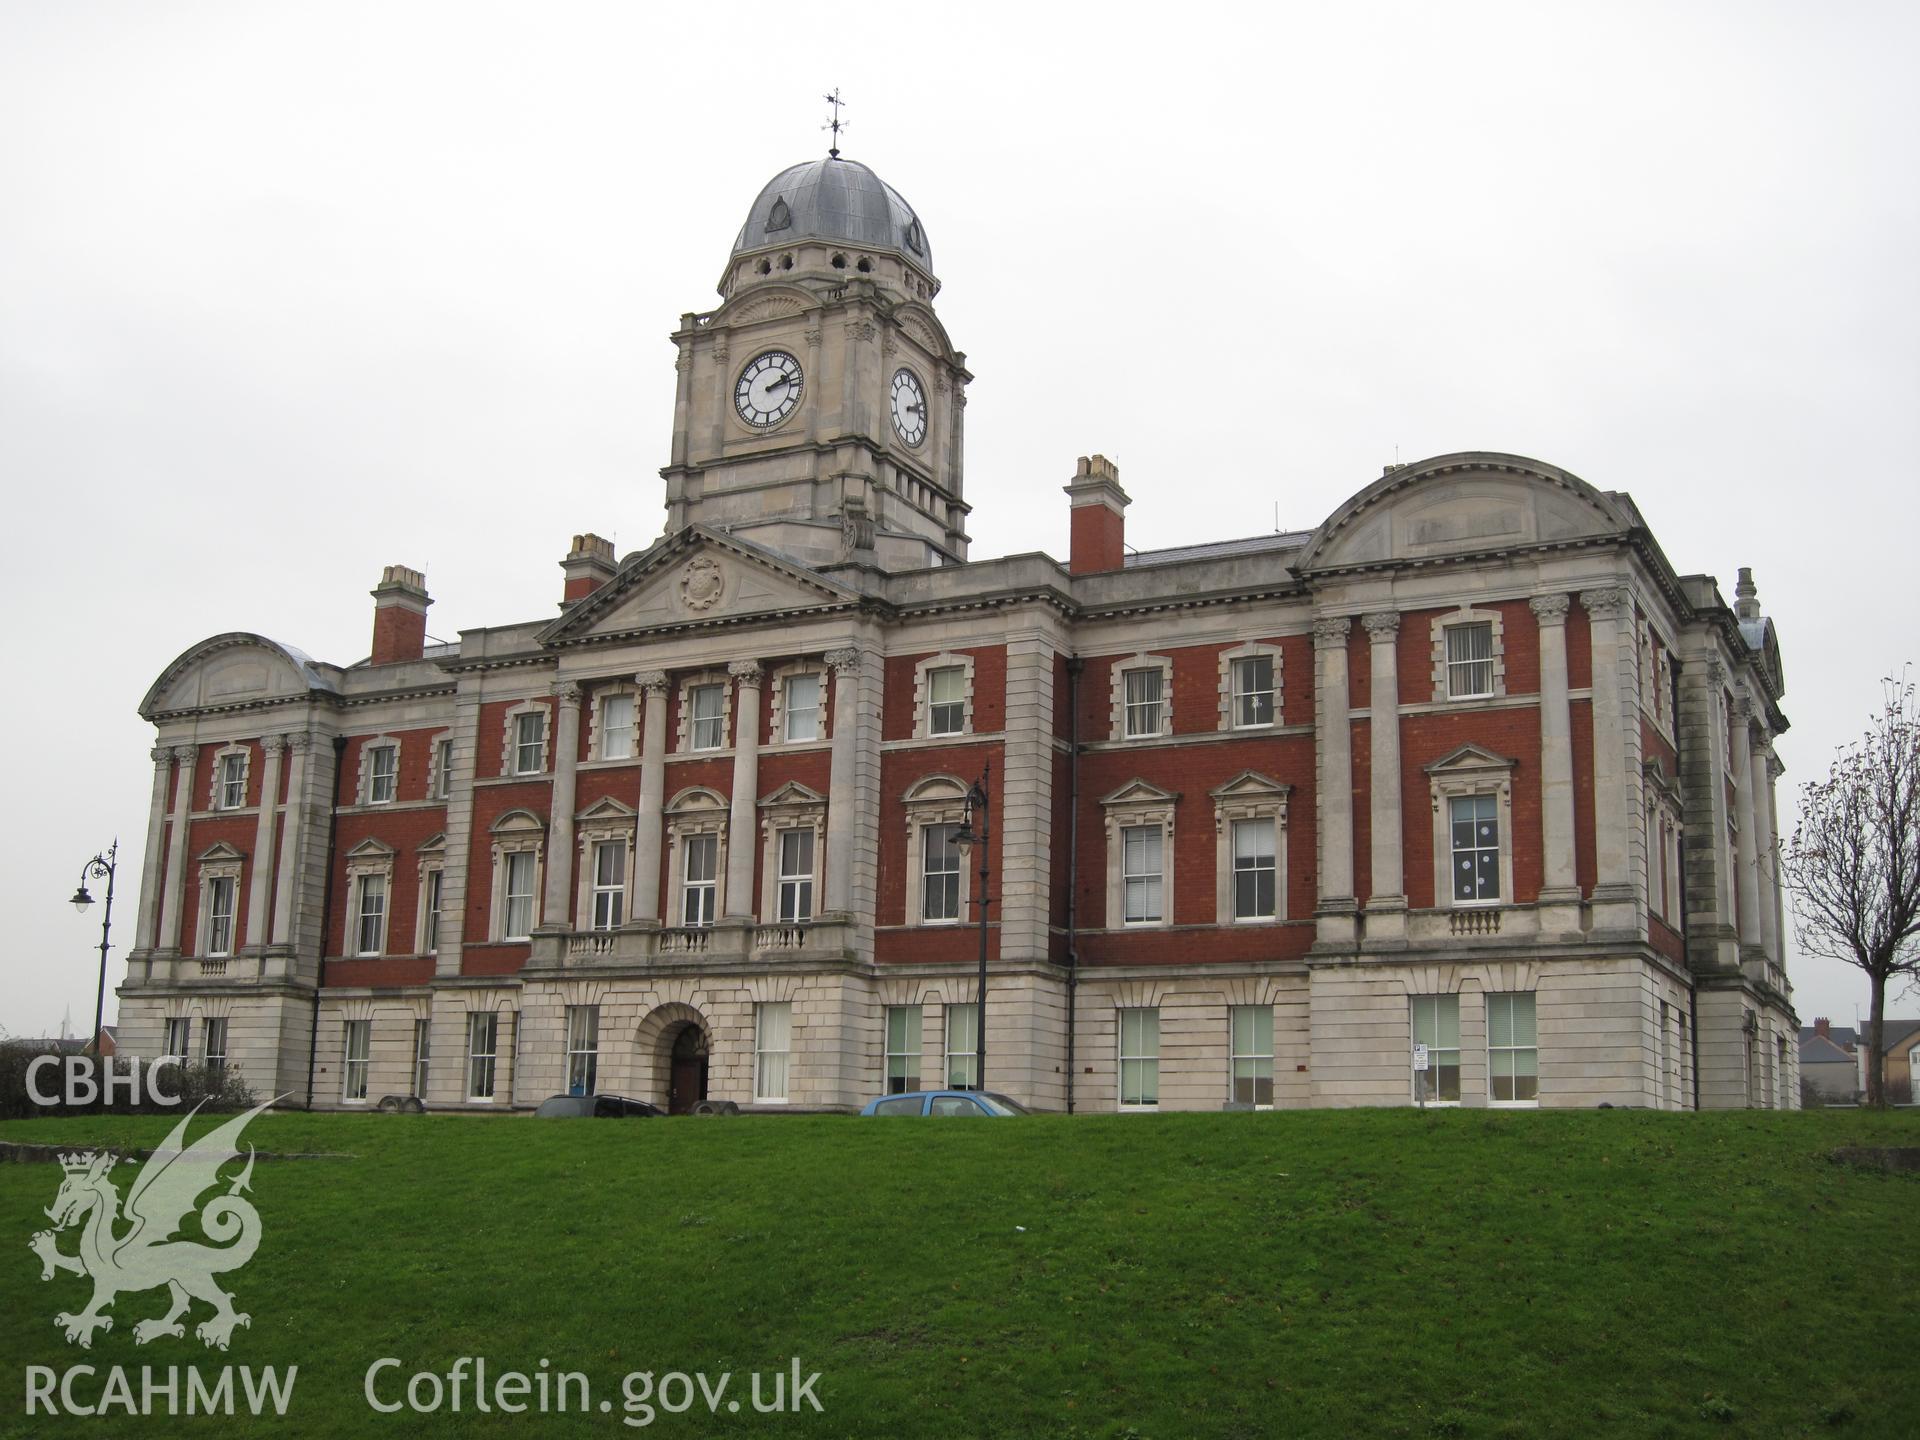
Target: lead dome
{"x":835,"y":200}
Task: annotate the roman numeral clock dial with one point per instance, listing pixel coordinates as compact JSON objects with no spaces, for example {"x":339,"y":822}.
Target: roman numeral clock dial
{"x":768,"y":389}
{"x":909,"y":407}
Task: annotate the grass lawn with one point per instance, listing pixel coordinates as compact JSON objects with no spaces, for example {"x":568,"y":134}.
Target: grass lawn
{"x":1360,"y":1273}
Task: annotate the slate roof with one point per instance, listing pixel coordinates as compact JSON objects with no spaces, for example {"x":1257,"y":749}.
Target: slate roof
{"x":1219,"y":549}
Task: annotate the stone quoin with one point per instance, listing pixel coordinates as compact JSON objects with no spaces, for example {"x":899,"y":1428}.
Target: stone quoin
{"x":1468,"y":765}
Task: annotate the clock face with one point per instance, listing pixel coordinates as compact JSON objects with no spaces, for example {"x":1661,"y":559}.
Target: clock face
{"x":909,"y":407}
{"x":768,"y":389}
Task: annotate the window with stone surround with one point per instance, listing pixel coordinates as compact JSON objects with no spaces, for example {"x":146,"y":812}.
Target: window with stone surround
{"x":1472,"y":792}
{"x":369,"y":891}
{"x":793,"y":825}
{"x":426,"y":924}
{"x":356,"y":1044}
{"x":1513,"y":1054}
{"x":603,"y":866}
{"x":1469,"y":655}
{"x":519,"y":839}
{"x":483,"y":1041}
{"x":379,"y":772}
{"x":903,"y":1049}
{"x":1250,"y":687}
{"x":1139,"y":1058}
{"x":440,"y":778}
{"x":615,"y":721}
{"x":706,"y":712}
{"x":963,"y":1047}
{"x":230,"y":778}
{"x":1141,"y":702}
{"x":797,"y":701}
{"x":1435,"y":1021}
{"x":1250,"y":861}
{"x":1250,"y":1030}
{"x":1139,"y":830}
{"x":772,"y":1049}
{"x":697,"y":855}
{"x":937,"y":873}
{"x":213,"y":1049}
{"x":422,"y":1056}
{"x":525,"y":749}
{"x":943,"y":695}
{"x":220,"y":870}
{"x":583,"y":1049}
{"x":179,"y":1032}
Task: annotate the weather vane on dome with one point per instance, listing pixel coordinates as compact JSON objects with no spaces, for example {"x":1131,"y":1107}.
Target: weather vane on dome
{"x":836,"y":124}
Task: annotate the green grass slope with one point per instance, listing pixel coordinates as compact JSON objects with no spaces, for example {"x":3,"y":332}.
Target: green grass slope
{"x":1361,"y":1273}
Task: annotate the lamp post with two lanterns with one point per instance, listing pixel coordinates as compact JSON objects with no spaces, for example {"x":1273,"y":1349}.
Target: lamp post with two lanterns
{"x":98,"y":868}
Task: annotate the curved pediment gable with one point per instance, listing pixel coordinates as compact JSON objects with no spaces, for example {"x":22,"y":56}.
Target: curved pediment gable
{"x":521,"y":821}
{"x":698,"y":577}
{"x":763,"y":302}
{"x":919,"y":324}
{"x":232,"y":671}
{"x":1462,"y":505}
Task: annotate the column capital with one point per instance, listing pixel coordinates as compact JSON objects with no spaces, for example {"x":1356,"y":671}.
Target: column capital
{"x":300,"y":741}
{"x":653,"y":682}
{"x":274,"y":744}
{"x":747,"y":672}
{"x":1774,"y":768}
{"x":185,"y":754}
{"x":1382,"y":626}
{"x":1330,"y":633}
{"x":1607,"y":603}
{"x":162,"y":756}
{"x":843,"y":661}
{"x":1716,"y":670}
{"x":1550,"y":609}
{"x":567,"y":692}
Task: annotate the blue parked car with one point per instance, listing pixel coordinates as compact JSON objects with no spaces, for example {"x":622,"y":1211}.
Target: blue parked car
{"x":946,"y":1102}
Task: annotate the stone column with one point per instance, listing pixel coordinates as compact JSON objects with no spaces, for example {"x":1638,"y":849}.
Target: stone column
{"x":1766,"y":877}
{"x":1388,"y":892}
{"x":842,"y":821}
{"x":1774,"y":771}
{"x":287,"y":870}
{"x":653,"y":785}
{"x":1613,"y":810}
{"x":260,"y":887}
{"x":147,"y":936}
{"x":175,"y":906}
{"x":1335,"y":780}
{"x":1024,"y":812}
{"x":1746,"y":869}
{"x":743,"y":830}
{"x":557,"y":901}
{"x":1559,"y":884}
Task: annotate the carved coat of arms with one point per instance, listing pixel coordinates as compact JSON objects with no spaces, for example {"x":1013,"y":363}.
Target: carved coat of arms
{"x":703,"y":584}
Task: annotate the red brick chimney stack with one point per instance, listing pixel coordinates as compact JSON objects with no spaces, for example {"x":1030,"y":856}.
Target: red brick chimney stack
{"x":588,"y":566}
{"x":400,"y":604}
{"x":1823,"y":1028}
{"x":1099,"y":526}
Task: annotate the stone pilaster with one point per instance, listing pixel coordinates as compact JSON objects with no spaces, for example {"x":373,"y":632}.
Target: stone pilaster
{"x":1387,"y":898}
{"x":556,"y":902}
{"x":1765,"y":849}
{"x":1559,"y":886}
{"x":149,"y":913}
{"x":1615,"y":791}
{"x":1025,"y":802}
{"x":1779,"y":902}
{"x":175,"y":905}
{"x":653,"y":784}
{"x":286,"y":868}
{"x":1746,"y":868}
{"x":842,"y":821}
{"x":1334,"y":737}
{"x":455,"y":878}
{"x":743,"y":815}
{"x":260,"y":886}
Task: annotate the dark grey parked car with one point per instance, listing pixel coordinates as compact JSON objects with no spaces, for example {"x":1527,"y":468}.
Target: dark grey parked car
{"x":596,"y":1107}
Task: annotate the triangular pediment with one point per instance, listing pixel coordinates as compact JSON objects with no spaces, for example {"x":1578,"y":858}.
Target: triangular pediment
{"x":1469,"y":757}
{"x":220,"y":853}
{"x":434,"y":845}
{"x":698,"y":577}
{"x":370,"y":849}
{"x":606,"y":808}
{"x":1140,"y":792}
{"x":1250,"y":784}
{"x":793,"y":793}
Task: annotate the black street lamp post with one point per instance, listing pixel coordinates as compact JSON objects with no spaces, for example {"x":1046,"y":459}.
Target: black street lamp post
{"x":966,"y":840}
{"x":100,"y":866}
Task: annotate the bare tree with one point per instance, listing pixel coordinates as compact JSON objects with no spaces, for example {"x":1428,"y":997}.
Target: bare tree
{"x":1854,"y":862}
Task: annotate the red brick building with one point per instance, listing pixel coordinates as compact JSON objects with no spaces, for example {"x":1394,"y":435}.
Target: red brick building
{"x":1465,"y":794}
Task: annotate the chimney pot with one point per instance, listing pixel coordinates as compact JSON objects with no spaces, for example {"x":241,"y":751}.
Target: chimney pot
{"x":1822,"y":1026}
{"x":1098,"y":517}
{"x":400,"y":604}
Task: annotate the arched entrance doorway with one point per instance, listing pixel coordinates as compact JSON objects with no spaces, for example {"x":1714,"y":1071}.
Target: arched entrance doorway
{"x":670,"y":1054}
{"x":686,"y":1067}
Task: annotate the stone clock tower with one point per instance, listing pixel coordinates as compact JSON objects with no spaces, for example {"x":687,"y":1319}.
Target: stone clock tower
{"x":818,"y":410}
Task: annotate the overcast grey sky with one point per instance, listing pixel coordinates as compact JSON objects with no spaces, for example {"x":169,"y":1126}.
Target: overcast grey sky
{"x":289,"y":292}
